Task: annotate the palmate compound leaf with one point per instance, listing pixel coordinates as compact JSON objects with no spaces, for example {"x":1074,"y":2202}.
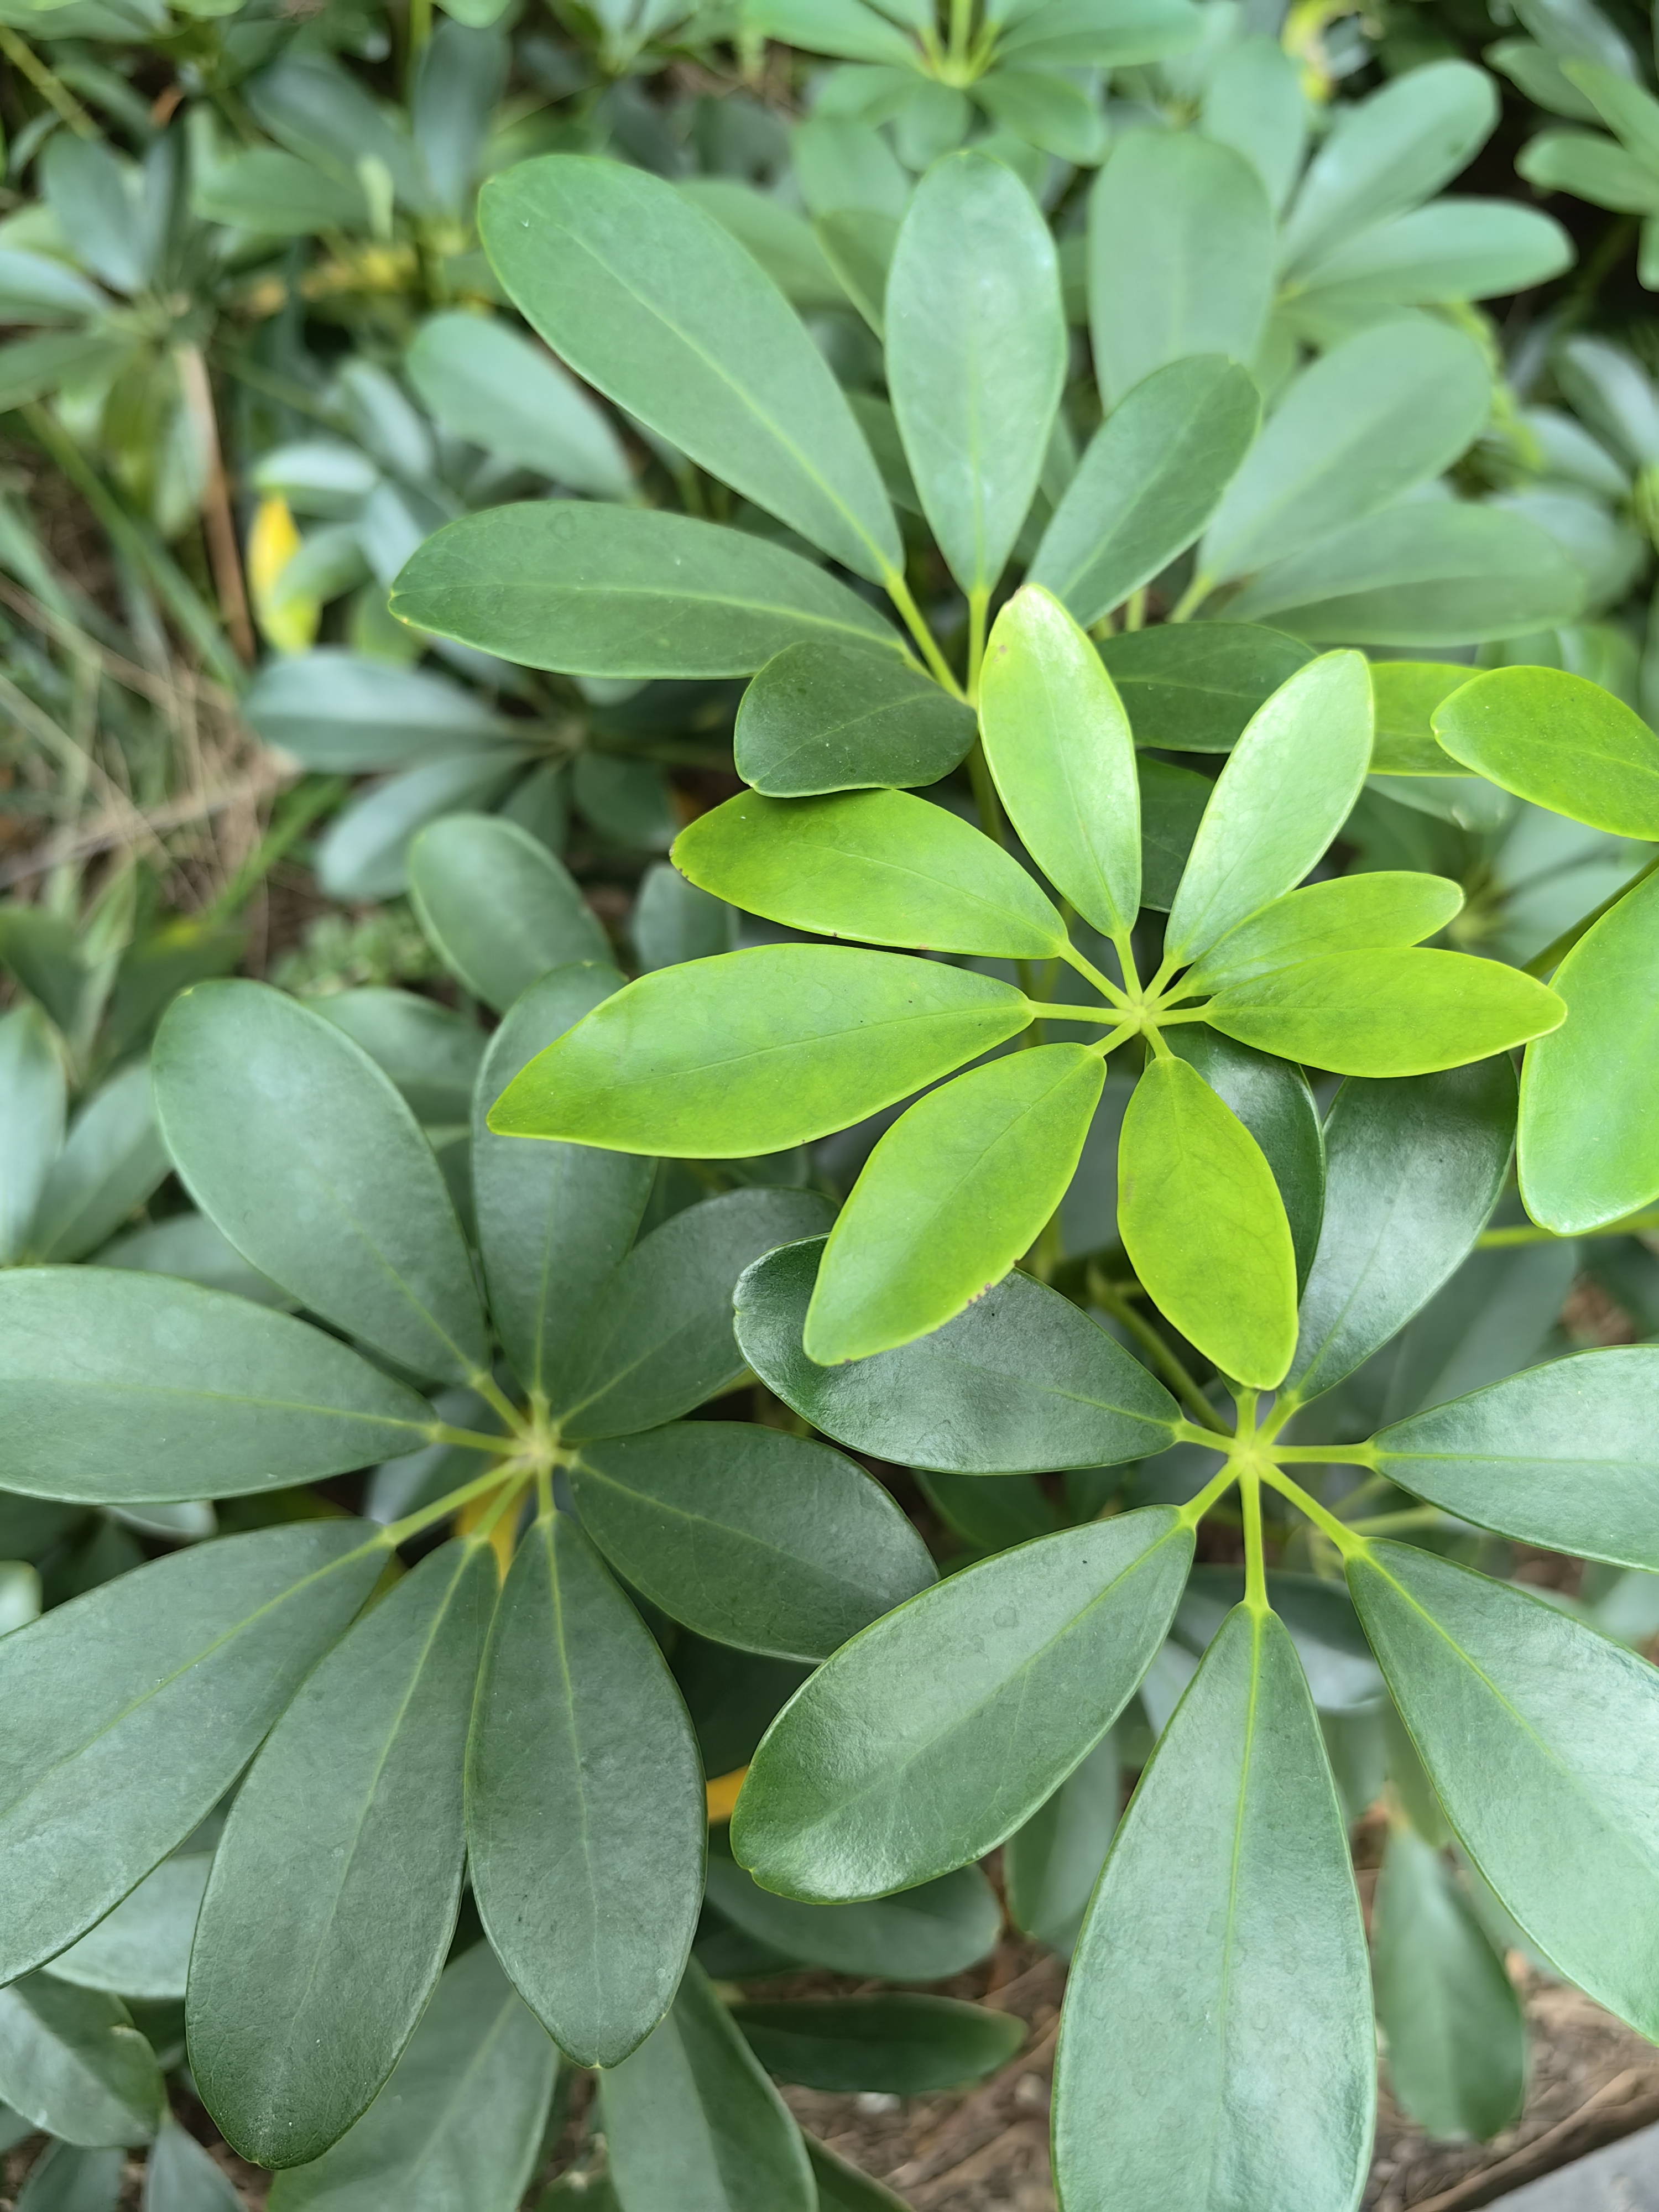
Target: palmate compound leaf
{"x":289,"y":1137}
{"x":1023,"y":1379}
{"x":1412,"y":1171}
{"x":900,"y":2043}
{"x":72,"y":2062}
{"x":1216,"y":2047}
{"x":753,"y":1052}
{"x":1565,"y":1456}
{"x":1588,"y":1138}
{"x":1560,"y":741}
{"x":624,"y":591}
{"x":655,"y":303}
{"x":497,"y":907}
{"x":750,"y":1537}
{"x":586,"y":1861}
{"x":1058,"y":746}
{"x":144,"y":1699}
{"x":882,"y":867}
{"x":336,"y":1885}
{"x":932,"y":1736}
{"x":829,"y":717}
{"x":1534,"y":1729}
{"x":954,"y":1193}
{"x":117,"y":1386}
{"x":461,"y":2120}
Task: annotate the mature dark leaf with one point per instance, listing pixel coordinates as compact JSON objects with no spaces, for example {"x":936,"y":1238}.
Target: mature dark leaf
{"x":830,"y":717}
{"x":927,"y":1934}
{"x":1194,"y":689}
{"x":498,"y":908}
{"x":431,"y":1053}
{"x":1051,"y":1863}
{"x":905,"y":2045}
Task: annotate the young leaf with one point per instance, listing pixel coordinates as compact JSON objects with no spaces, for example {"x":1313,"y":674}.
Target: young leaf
{"x":830,"y":717}
{"x":1058,"y":744}
{"x":1345,"y":914}
{"x":1562,"y":1456}
{"x":753,"y":1052}
{"x":691,"y":2121}
{"x":1275,"y":1103}
{"x":118,"y":1387}
{"x":499,"y":909}
{"x":657,"y":1340}
{"x":1216,"y":2047}
{"x":1560,"y":741}
{"x":490,"y":385}
{"x":881,"y":868}
{"x":1386,"y":410}
{"x":461,"y":2121}
{"x":1456,"y":2036}
{"x":32,"y":1109}
{"x":180,"y":2176}
{"x":72,"y":2062}
{"x":926,"y":1934}
{"x":748,"y":1536}
{"x":336,"y":1885}
{"x":902,"y":2044}
{"x":585,"y":1860}
{"x":1204,"y":1225}
{"x":976,"y":356}
{"x":1022,"y":1380}
{"x":554,"y":1220}
{"x":1286,"y":790}
{"x":932,"y":1736}
{"x":1526,"y":1720}
{"x":1148,"y":483}
{"x":144,"y":1700}
{"x":1181,"y":256}
{"x":955,"y":1191}
{"x":654,"y":302}
{"x":1050,"y":1865}
{"x":111,"y":1161}
{"x":1412,"y":1171}
{"x":290,"y":1137}
{"x":1407,"y":695}
{"x":1194,"y":689}
{"x":1597,"y":1073}
{"x":623,"y":591}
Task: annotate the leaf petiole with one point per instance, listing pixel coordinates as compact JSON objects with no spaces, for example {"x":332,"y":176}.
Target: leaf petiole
{"x":926,"y":644}
{"x":1255,"y":1563}
{"x":399,"y":1532}
{"x":439,"y":1432}
{"x":496,"y":1398}
{"x":1348,"y":1543}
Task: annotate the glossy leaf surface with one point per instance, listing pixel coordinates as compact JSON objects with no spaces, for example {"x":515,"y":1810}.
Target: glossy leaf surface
{"x":1051,"y":1863}
{"x":1560,"y":741}
{"x":1345,"y":914}
{"x":823,"y":718}
{"x":499,"y":909}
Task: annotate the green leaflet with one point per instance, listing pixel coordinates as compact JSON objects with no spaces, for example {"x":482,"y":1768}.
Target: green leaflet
{"x":180,"y":2176}
{"x":586,"y":1861}
{"x":843,"y":2188}
{"x":1286,"y":790}
{"x":221,"y":1635}
{"x":288,"y":1136}
{"x":32,"y":1108}
{"x":490,"y":386}
{"x":64,"y":2178}
{"x":657,"y":1340}
{"x":1058,"y":744}
{"x":749,"y":1536}
{"x":1181,"y":256}
{"x":1596,"y":1073}
{"x":1562,"y":1456}
{"x":905,"y":2045}
{"x":461,"y":2121}
{"x":882,"y":867}
{"x":554,"y":1220}
{"x":623,"y":591}
{"x":1254,"y":103}
{"x":658,"y":306}
{"x":141,"y":1949}
{"x":1216,"y":2047}
{"x":842,"y":718}
{"x":753,"y":1052}
{"x":112,"y":1160}
{"x":1412,"y":1171}
{"x":1050,"y":1865}
{"x":1452,"y":2023}
{"x":1148,"y":483}
{"x":1022,"y":1380}
{"x":955,"y":1192}
{"x":1526,"y":1720}
{"x":991,"y":1511}
{"x":1203,"y":1223}
{"x":336,"y":1885}
{"x":938,"y":1731}
{"x":780,"y":240}
{"x":1276,"y":1104}
{"x":499,"y":908}
{"x":345,"y":712}
{"x":1407,"y":695}
{"x":119,"y":1386}
{"x":1345,"y":914}
{"x":926,"y":1934}
{"x":976,"y":356}
{"x":1193,"y":688}
{"x":1560,"y":741}
{"x":692,"y":2123}
{"x":1391,"y":1012}
{"x":1384,"y":410}
{"x":72,"y":2062}
{"x":430,"y":1053}
{"x":1456,"y":249}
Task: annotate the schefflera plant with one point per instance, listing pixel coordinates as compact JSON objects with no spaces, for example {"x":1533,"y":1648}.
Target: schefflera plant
{"x":1217,"y":2047}
{"x":402,"y":1724}
{"x":752,"y":1051}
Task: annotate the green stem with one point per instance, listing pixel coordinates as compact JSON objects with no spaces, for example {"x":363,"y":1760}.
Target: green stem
{"x":420,"y":34}
{"x":961,"y":24}
{"x":1256,"y":1560}
{"x":1326,"y":1454}
{"x":1114,"y":1301}
{"x":1134,"y":610}
{"x":1106,"y":1046}
{"x":1541,"y":963}
{"x":1528,"y":1232}
{"x":513,"y":1488}
{"x":1108,"y":989}
{"x":1062,"y":1012}
{"x":1192,"y":599}
{"x":471,"y":1440}
{"x":978,"y":606}
{"x":52,"y":88}
{"x":399,"y":1532}
{"x":1195,"y":1508}
{"x":1347,"y":1542}
{"x":926,"y":644}
{"x":494,"y":1397}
